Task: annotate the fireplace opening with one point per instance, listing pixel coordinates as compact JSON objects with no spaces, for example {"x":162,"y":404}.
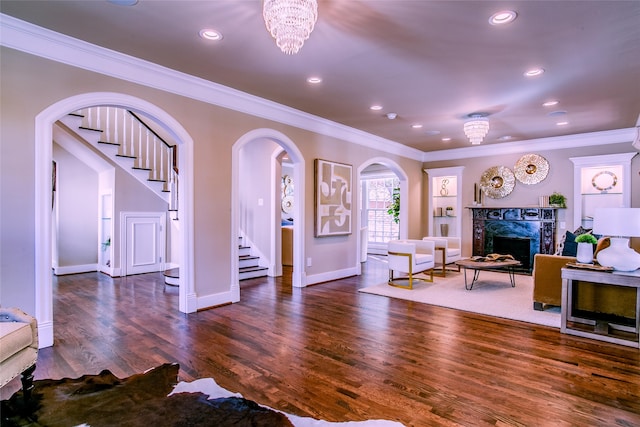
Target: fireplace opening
{"x":519,"y":247}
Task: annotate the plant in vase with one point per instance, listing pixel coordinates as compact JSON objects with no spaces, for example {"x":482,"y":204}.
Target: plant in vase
{"x":558,"y":200}
{"x":585,"y":248}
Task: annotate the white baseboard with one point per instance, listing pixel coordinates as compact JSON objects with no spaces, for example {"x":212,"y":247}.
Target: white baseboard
{"x":75,"y":269}
{"x":213,"y":300}
{"x":332,"y":275}
{"x":45,"y":334}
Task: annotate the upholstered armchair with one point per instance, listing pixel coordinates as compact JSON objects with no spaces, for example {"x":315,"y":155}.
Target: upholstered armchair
{"x":18,"y":347}
{"x":410,"y":257}
{"x":448,"y":251}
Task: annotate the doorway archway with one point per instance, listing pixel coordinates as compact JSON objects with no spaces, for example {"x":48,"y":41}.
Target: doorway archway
{"x":298,"y":164}
{"x":43,"y":160}
{"x":404,"y":194}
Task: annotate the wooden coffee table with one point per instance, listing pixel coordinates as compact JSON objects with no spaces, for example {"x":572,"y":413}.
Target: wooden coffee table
{"x":477,"y":266}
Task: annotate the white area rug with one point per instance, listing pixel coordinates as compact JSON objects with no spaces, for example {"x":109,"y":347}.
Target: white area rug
{"x":210,"y":387}
{"x":492,"y":294}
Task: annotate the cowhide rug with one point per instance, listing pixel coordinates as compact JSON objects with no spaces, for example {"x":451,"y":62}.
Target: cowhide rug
{"x":140,"y":400}
{"x":150,"y":399}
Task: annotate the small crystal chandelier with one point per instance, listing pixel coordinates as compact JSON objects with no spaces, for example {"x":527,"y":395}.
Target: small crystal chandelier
{"x":476,"y":128}
{"x":290,"y":22}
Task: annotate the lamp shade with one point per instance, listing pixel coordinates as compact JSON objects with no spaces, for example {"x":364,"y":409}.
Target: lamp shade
{"x":620,"y":224}
{"x":617,"y":222}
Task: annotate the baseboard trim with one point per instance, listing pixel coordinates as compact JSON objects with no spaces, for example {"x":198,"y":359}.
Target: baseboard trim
{"x":213,"y":300}
{"x":332,"y":275}
{"x":75,"y":269}
{"x":45,"y":334}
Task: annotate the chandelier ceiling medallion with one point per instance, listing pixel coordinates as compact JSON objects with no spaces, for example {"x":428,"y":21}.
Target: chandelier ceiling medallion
{"x":476,"y":128}
{"x":290,"y":22}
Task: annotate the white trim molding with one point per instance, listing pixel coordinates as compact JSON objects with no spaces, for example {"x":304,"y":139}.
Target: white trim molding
{"x":30,"y":38}
{"x":38,"y":41}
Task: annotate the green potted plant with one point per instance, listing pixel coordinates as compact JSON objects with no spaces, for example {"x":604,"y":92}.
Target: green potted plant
{"x":585,"y":243}
{"x":394,"y":207}
{"x":557,"y":200}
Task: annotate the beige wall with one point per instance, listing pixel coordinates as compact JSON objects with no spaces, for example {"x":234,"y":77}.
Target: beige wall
{"x":30,"y":84}
{"x":559,"y":178}
{"x":77,"y":211}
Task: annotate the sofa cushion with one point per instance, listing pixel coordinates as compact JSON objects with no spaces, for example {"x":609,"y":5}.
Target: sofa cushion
{"x":568,"y":245}
{"x":14,"y":336}
{"x":422,"y":258}
{"x":453,"y":252}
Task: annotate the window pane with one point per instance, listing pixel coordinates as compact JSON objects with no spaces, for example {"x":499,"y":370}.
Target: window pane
{"x":380,"y":224}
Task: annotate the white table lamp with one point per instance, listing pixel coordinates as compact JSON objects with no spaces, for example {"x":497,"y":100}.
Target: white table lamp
{"x":619,"y":224}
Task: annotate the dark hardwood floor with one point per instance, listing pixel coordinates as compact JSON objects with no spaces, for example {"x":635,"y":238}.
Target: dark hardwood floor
{"x":330,"y":352}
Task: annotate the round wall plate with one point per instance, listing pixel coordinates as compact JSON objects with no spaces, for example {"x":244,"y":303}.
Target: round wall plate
{"x":531,"y":169}
{"x":497,"y":182}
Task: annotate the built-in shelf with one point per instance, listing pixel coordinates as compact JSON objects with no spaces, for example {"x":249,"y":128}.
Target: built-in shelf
{"x":445,"y":191}
{"x":600,"y":182}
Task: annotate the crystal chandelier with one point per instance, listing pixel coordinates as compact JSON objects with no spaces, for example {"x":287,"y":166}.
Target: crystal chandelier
{"x":290,"y":22}
{"x":476,"y":128}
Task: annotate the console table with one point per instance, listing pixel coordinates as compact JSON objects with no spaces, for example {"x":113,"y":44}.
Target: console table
{"x":592,"y":325}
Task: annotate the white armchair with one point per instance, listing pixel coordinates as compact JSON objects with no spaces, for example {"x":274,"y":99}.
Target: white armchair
{"x":450,"y":251}
{"x":410,"y":257}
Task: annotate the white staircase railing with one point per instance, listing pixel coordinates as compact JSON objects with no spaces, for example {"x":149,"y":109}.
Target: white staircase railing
{"x":136,"y":140}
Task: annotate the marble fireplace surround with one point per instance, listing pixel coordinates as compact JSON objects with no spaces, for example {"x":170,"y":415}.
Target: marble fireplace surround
{"x":517,"y":225}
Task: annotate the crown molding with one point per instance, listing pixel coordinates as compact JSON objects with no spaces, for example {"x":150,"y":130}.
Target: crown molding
{"x":617,"y":136}
{"x":44,"y":43}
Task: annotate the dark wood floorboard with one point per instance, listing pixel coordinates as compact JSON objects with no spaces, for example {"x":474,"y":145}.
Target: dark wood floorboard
{"x":330,"y":352}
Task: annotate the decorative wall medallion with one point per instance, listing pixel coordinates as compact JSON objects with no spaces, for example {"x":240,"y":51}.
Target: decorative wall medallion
{"x":531,"y":169}
{"x":287,"y":204}
{"x":497,"y":182}
{"x":287,"y":194}
{"x":604,"y":181}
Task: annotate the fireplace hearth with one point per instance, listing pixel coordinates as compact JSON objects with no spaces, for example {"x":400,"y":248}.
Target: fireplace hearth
{"x":521,"y":232}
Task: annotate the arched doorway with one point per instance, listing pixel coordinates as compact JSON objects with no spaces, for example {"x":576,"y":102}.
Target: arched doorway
{"x":298,"y":166}
{"x":393,"y":168}
{"x":43,"y":180}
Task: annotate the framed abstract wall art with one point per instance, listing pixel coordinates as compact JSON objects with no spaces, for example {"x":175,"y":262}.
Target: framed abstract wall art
{"x":333,"y":190}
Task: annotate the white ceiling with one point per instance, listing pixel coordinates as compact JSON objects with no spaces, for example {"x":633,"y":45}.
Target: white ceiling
{"x":431,"y":62}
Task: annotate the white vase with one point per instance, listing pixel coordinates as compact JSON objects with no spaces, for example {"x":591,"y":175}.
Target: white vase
{"x":585,"y":253}
{"x":619,"y":255}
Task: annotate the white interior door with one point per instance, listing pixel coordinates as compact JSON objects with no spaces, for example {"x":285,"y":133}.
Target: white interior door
{"x":144,"y":242}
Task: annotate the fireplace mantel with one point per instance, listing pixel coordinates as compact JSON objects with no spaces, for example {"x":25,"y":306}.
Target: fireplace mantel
{"x":537,"y":224}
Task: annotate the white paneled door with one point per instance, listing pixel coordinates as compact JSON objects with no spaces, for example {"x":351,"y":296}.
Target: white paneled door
{"x":144,"y":242}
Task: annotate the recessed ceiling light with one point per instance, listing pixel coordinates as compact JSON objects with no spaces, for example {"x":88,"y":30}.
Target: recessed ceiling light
{"x":503,"y":17}
{"x":314,"y":80}
{"x":210,"y":34}
{"x":550,"y":103}
{"x":432,"y":132}
{"x":446,"y":139}
{"x":417,"y":126}
{"x":557,"y":113}
{"x":562,"y":123}
{"x":534,"y":72}
{"x":505,"y":138}
{"x":391,"y":116}
{"x":376,"y":107}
